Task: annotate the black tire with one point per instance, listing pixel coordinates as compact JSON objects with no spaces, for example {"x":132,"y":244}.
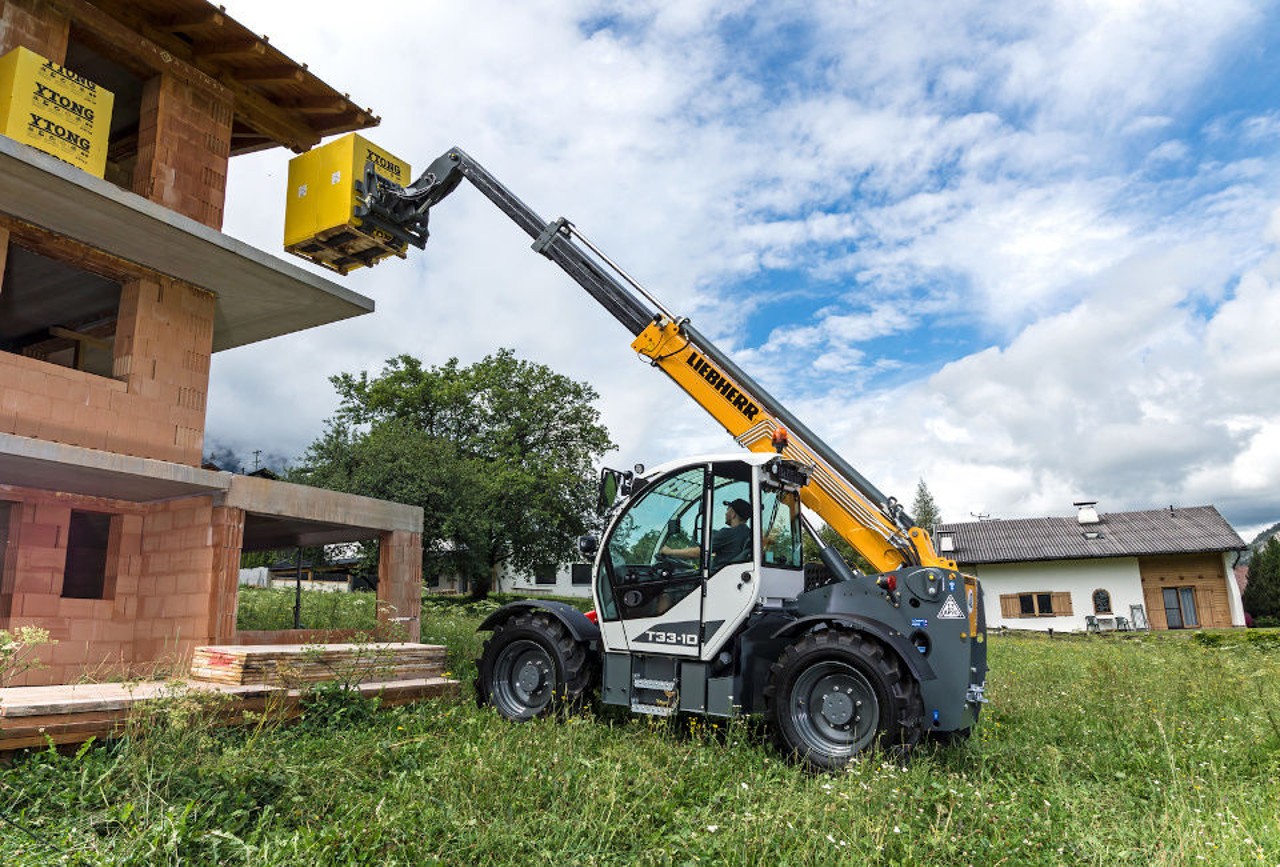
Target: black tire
{"x":834,"y":694}
{"x":532,"y":667}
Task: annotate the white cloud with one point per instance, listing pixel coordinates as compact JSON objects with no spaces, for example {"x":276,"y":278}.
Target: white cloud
{"x":1024,"y":176}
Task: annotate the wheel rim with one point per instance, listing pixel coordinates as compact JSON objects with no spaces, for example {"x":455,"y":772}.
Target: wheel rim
{"x":524,"y":679}
{"x":834,"y":709}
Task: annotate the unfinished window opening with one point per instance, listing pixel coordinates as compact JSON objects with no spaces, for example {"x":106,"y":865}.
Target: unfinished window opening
{"x":85,"y":575}
{"x":55,"y":312}
{"x":105,"y":65}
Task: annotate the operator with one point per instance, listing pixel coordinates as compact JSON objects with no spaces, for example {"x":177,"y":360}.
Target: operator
{"x":729,"y":544}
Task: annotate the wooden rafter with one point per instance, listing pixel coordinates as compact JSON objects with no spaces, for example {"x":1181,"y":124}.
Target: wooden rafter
{"x":228,"y":48}
{"x":194,"y":20}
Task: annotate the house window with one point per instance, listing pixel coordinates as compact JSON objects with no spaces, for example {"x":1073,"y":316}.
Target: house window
{"x":1101,"y":602}
{"x":1180,"y":607}
{"x":544,"y":575}
{"x":1035,"y":604}
{"x":85,"y":575}
{"x":580,"y":574}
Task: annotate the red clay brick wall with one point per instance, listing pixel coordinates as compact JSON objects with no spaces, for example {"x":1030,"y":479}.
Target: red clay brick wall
{"x":400,"y":580}
{"x":95,"y":636}
{"x":156,"y":406}
{"x":49,"y":402}
{"x":159,"y":570}
{"x":34,"y":25}
{"x":228,"y":537}
{"x":175,"y":592}
{"x":184,"y":142}
{"x":164,"y":341}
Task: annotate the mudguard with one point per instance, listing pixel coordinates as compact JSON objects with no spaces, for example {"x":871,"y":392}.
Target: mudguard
{"x":574,"y":620}
{"x":895,"y":641}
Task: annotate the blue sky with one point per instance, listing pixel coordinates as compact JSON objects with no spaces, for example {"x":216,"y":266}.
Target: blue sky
{"x":1026,"y":251}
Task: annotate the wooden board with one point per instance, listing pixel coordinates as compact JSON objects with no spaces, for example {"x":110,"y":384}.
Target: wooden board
{"x":292,"y":664}
{"x":40,"y":715}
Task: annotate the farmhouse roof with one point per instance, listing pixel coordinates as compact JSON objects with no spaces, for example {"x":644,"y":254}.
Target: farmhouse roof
{"x":1196,"y":529}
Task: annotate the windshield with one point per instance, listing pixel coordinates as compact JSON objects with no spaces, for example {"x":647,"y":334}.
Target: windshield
{"x":667,"y":514}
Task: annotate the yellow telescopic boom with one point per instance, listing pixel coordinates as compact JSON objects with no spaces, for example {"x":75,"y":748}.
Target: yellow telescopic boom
{"x":875,"y":525}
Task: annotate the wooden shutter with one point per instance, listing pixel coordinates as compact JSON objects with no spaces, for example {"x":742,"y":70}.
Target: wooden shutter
{"x":1061,"y":603}
{"x":1009,"y":605}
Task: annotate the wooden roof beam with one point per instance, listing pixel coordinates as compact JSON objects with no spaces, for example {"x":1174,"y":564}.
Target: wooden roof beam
{"x":194,"y":20}
{"x":270,"y":75}
{"x":269,"y":119}
{"x":231,"y":48}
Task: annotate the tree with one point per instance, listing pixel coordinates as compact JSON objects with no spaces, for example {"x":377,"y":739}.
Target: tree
{"x":1262,"y":596}
{"x":835,"y":540}
{"x":500,"y":455}
{"x":924,"y":510}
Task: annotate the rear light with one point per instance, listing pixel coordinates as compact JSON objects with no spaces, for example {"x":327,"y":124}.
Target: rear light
{"x":888,"y":582}
{"x":593,"y":616}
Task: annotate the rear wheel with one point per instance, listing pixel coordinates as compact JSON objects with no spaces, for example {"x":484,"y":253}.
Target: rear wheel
{"x":834,"y":694}
{"x":532,"y":666}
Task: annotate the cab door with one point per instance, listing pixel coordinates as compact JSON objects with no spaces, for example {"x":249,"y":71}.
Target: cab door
{"x":652,"y":601}
{"x":732,"y":571}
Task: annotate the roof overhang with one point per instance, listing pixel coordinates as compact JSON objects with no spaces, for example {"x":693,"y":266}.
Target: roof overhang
{"x":44,"y":465}
{"x":258,"y":296}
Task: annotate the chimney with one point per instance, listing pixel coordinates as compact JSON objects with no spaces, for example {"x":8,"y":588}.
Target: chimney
{"x":1087,"y":512}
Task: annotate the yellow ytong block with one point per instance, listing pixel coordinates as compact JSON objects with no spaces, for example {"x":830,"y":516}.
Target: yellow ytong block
{"x":54,"y":109}
{"x":319,"y":220}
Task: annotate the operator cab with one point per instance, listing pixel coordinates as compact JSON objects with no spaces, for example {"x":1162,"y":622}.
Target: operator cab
{"x":680,"y":569}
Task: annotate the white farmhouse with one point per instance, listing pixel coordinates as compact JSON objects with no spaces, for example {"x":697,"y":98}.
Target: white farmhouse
{"x":1160,"y":569}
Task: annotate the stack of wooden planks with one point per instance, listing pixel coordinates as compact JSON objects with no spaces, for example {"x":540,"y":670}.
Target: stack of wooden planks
{"x":294,"y":664}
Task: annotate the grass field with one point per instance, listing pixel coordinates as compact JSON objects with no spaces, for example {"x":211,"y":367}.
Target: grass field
{"x":1102,"y":750}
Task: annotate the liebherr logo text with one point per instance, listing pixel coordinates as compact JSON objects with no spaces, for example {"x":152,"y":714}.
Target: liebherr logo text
{"x":720,"y":383}
{"x":382,"y":163}
{"x":58,"y":131}
{"x":66,"y":103}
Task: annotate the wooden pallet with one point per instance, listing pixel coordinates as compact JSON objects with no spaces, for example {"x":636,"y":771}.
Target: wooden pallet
{"x":294,"y":664}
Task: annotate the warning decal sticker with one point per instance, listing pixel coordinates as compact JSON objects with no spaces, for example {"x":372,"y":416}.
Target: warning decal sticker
{"x":950,"y":610}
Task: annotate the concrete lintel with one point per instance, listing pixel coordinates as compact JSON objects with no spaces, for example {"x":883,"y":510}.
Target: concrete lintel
{"x":259,"y":296}
{"x":319,"y":506}
{"x":44,"y":465}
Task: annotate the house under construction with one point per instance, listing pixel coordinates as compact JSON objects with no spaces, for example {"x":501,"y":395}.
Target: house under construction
{"x":118,"y":286}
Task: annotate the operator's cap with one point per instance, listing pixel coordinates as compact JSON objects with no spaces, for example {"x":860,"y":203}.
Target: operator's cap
{"x":741,"y":507}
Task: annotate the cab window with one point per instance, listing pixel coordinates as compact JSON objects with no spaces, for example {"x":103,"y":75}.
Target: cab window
{"x":666,"y":514}
{"x":780,"y":524}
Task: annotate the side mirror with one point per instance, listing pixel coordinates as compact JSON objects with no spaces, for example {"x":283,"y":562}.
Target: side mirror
{"x":612,"y":484}
{"x":588,"y":545}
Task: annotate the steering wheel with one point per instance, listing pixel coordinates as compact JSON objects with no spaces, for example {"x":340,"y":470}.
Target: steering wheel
{"x":668,"y":563}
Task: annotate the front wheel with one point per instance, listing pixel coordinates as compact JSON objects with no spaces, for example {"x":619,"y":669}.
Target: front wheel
{"x":834,"y":694}
{"x":532,"y":666}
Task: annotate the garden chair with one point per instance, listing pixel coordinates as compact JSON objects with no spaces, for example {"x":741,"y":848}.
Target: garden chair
{"x":1122,"y":624}
{"x":1091,"y":624}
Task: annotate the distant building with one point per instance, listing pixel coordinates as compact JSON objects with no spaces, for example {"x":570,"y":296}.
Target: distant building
{"x":1162,"y":569}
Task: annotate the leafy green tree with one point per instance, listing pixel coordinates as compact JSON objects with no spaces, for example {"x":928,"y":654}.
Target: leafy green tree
{"x":1262,"y":595}
{"x":835,"y":540}
{"x":499,"y":454}
{"x":924,"y":510}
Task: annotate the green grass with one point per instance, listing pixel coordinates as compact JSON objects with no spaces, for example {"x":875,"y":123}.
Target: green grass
{"x":272,"y":608}
{"x":1155,"y":749}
